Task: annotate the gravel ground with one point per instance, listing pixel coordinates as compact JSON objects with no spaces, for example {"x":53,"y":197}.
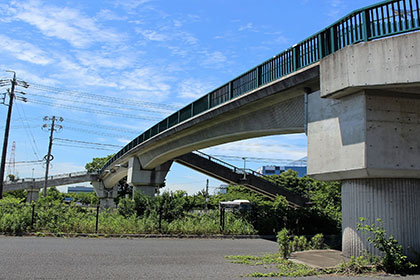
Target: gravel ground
{"x":112,"y":258}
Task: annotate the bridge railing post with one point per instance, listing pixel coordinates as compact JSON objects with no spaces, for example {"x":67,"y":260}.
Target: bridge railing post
{"x":366,"y":26}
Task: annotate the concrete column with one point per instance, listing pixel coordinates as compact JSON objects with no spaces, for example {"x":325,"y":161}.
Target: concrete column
{"x":33,"y":195}
{"x":369,"y":141}
{"x":106,"y":195}
{"x":146,"y":181}
{"x":395,"y":201}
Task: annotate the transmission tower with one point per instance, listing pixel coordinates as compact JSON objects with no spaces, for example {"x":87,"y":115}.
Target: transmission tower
{"x":11,"y":167}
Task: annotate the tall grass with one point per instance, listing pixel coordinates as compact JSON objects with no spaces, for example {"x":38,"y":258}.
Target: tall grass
{"x":56,"y":217}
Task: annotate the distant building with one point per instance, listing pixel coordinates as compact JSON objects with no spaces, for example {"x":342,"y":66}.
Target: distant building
{"x":222,"y":189}
{"x":80,"y":189}
{"x":277,"y":170}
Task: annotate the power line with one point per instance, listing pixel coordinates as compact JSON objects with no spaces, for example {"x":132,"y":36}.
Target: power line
{"x":84,"y":147}
{"x":85,"y":142}
{"x":102,"y":104}
{"x":119,"y":100}
{"x":114,"y":128}
{"x":87,"y":124}
{"x":27,"y":162}
{"x":28,"y":132}
{"x":90,"y":110}
{"x":95,"y":132}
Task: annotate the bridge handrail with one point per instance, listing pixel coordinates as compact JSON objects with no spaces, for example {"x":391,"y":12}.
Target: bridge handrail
{"x":52,"y":177}
{"x":380,"y":20}
{"x":228,"y":165}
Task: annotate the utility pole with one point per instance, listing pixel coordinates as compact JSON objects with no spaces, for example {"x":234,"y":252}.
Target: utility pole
{"x":50,"y":157}
{"x":207,"y":194}
{"x":244,"y":159}
{"x":12,"y":96}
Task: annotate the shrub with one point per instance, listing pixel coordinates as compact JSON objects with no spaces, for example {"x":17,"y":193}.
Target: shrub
{"x":126,"y":207}
{"x":317,"y":242}
{"x":283,"y":241}
{"x":394,"y":261}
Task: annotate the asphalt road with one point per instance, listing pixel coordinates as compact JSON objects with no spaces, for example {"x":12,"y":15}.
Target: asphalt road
{"x":82,"y":258}
{"x":112,"y":258}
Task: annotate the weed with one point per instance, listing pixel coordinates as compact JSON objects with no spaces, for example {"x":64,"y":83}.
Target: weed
{"x":394,"y":261}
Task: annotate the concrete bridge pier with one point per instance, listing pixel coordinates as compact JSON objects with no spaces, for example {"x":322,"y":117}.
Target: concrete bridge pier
{"x":146,"y":181}
{"x":363,"y":130}
{"x":369,"y":141}
{"x":106,"y":195}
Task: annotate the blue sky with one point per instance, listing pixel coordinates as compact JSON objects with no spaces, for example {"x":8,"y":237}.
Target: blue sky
{"x":112,"y":69}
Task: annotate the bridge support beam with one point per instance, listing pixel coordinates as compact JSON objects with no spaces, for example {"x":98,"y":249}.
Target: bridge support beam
{"x":106,"y":195}
{"x":368,"y":140}
{"x":146,"y":181}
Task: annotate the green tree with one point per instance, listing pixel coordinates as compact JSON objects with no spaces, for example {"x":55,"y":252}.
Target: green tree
{"x":97,"y":163}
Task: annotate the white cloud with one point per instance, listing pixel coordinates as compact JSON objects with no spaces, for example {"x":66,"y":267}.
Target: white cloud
{"x":193,"y":88}
{"x":124,"y":140}
{"x":106,"y":14}
{"x":215,"y":58}
{"x":152,"y":35}
{"x":248,"y":27}
{"x":145,"y":81}
{"x":278,"y":147}
{"x":130,"y":4}
{"x":336,"y":8}
{"x":64,"y":23}
{"x":115,"y":59}
{"x":24,"y":51}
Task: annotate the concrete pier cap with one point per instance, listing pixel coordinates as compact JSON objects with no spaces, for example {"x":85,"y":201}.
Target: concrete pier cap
{"x":146,"y":181}
{"x":364,"y":130}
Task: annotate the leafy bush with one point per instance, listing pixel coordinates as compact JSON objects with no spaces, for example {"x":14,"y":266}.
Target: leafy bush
{"x":283,"y":241}
{"x":15,"y":216}
{"x":393,"y":261}
{"x":317,"y":242}
{"x":126,"y":207}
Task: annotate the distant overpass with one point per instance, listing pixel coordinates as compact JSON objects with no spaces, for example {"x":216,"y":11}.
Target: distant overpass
{"x":35,"y":184}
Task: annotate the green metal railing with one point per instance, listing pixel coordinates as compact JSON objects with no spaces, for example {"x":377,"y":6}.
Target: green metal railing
{"x":381,"y":20}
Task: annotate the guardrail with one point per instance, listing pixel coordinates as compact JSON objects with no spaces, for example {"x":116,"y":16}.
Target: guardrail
{"x":381,"y":20}
{"x":58,"y":176}
{"x":228,"y":165}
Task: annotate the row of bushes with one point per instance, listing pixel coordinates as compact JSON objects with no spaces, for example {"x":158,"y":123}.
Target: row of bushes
{"x":54,"y":216}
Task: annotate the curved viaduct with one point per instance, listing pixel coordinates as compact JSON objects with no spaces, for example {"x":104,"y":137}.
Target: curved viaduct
{"x":354,"y":87}
{"x":277,"y":108}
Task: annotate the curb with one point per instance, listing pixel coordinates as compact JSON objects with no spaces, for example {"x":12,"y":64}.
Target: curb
{"x":144,"y":236}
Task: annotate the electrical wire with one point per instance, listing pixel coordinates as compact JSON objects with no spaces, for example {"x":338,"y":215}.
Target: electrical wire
{"x":86,"y":131}
{"x":119,"y":100}
{"x":89,"y":124}
{"x":84,"y":147}
{"x":27,"y":162}
{"x":90,"y":110}
{"x":85,"y":142}
{"x":102,"y":104}
{"x":108,"y":127}
{"x":28,"y":131}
